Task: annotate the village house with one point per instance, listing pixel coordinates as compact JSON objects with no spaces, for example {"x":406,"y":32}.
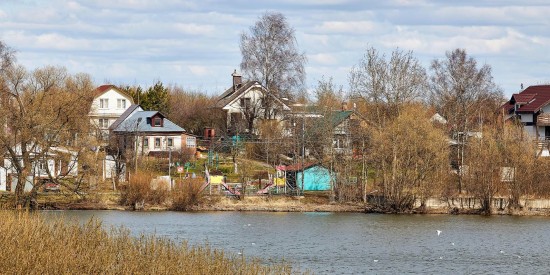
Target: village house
{"x":531,"y":107}
{"x":245,"y":103}
{"x":107,"y":106}
{"x":340,"y":126}
{"x":151,"y":133}
{"x":57,"y":163}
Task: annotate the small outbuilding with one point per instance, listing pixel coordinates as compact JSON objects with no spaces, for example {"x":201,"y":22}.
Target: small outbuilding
{"x":315,"y":177}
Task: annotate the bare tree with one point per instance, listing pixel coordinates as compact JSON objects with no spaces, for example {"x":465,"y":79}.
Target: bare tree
{"x":41,"y":110}
{"x":188,"y":110}
{"x":7,"y":57}
{"x":388,"y":84}
{"x":464,"y":94}
{"x":270,"y":55}
{"x":410,"y":154}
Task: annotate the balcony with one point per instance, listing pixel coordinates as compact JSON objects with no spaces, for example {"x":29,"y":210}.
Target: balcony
{"x":543,"y":120}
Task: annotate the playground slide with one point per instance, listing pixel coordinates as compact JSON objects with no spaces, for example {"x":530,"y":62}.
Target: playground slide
{"x":265,"y":190}
{"x":233,"y":192}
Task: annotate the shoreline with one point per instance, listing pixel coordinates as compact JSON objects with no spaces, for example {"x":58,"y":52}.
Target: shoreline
{"x":291,"y":205}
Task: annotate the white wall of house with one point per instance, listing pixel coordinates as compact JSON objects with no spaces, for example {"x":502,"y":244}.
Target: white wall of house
{"x":531,"y":130}
{"x":546,"y":109}
{"x":38,"y":170}
{"x":254,"y":93}
{"x":158,"y":143}
{"x":527,"y":118}
{"x":107,"y":107}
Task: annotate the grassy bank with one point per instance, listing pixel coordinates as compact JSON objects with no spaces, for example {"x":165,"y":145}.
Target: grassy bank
{"x":32,"y":245}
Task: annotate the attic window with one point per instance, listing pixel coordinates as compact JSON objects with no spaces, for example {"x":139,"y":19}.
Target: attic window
{"x":157,"y":122}
{"x":245,"y":103}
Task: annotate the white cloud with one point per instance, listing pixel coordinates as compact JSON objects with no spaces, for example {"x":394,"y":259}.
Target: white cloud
{"x":349,"y":27}
{"x":197,"y":42}
{"x":194,"y":29}
{"x":198,"y":70}
{"x":323,"y":58}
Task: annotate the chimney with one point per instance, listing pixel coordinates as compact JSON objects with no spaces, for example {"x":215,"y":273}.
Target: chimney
{"x":237,"y":80}
{"x":344,"y":106}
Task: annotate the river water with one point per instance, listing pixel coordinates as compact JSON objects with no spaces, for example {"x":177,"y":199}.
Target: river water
{"x":353,"y":243}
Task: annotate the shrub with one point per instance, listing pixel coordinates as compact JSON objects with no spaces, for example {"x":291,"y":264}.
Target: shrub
{"x":186,"y":194}
{"x":140,"y":191}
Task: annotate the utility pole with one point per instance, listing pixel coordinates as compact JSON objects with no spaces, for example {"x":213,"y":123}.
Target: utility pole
{"x":303,"y":150}
{"x":136,"y":136}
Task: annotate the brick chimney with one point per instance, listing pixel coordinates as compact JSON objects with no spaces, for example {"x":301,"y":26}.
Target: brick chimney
{"x":344,"y":106}
{"x":237,"y":80}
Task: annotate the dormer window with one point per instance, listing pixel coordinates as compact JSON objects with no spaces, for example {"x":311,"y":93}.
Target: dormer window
{"x":157,"y":122}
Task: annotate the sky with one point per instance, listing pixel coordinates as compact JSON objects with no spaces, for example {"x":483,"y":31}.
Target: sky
{"x":195,"y":44}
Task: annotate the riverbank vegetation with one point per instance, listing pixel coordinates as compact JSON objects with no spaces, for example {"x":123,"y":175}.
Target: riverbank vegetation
{"x":401,"y":137}
{"x":32,"y":245}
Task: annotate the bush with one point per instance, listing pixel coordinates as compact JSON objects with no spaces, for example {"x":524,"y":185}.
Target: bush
{"x":187,"y":194}
{"x":140,"y":191}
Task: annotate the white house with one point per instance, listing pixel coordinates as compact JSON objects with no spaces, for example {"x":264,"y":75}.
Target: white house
{"x":532,"y":108}
{"x":246,"y":102}
{"x":108,"y":105}
{"x":59,"y":162}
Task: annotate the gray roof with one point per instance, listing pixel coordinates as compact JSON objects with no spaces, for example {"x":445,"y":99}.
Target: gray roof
{"x":125,"y":115}
{"x":141,"y":122}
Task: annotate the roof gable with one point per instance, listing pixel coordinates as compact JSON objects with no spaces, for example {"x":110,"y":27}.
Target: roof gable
{"x":231,"y":94}
{"x":99,"y":91}
{"x":531,"y":100}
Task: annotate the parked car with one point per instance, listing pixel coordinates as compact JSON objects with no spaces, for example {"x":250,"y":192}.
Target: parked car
{"x":51,"y":187}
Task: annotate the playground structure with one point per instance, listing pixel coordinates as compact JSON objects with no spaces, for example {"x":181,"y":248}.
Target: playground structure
{"x":218,"y":184}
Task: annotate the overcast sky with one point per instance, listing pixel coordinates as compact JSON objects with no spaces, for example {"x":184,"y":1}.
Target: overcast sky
{"x":195,"y":44}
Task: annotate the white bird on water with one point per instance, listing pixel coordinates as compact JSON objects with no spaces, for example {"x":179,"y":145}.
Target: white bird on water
{"x":438,"y":232}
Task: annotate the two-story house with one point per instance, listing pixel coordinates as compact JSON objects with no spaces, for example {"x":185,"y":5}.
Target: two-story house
{"x":108,"y":105}
{"x":532,"y":108}
{"x":244,"y":103}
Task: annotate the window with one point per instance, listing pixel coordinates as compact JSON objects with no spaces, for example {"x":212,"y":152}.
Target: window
{"x":146,"y":142}
{"x":157,"y":122}
{"x":103,"y":123}
{"x":170,"y":142}
{"x":103,"y":103}
{"x":157,"y":142}
{"x":42,"y":166}
{"x":245,"y":103}
{"x":190,"y":142}
{"x":121,"y":103}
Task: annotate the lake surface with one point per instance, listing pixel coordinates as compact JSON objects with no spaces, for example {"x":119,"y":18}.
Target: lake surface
{"x":353,"y":243}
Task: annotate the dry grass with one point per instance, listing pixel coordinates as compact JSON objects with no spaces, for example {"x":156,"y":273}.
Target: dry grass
{"x":186,"y":194}
{"x":31,"y":245}
{"x":139,"y":191}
